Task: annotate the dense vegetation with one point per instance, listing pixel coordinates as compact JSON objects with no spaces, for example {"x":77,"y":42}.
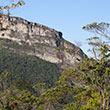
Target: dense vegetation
{"x":87,"y":87}
{"x":29,"y":68}
{"x":29,"y":83}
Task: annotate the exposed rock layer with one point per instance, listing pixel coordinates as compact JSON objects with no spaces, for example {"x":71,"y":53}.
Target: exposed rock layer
{"x":46,"y":43}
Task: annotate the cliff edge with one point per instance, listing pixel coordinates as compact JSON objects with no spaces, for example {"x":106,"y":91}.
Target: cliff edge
{"x":30,"y":38}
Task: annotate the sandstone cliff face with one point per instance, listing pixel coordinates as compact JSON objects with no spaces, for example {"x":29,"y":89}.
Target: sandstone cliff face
{"x":46,"y":43}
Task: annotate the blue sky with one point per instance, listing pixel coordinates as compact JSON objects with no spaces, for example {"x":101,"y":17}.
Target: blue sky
{"x":67,"y":16}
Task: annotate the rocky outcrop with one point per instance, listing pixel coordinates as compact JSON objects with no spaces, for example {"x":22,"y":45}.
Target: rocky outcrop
{"x":47,"y":44}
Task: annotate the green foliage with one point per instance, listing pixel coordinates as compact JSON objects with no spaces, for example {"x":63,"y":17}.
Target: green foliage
{"x":70,"y":51}
{"x":11,"y":44}
{"x":67,"y":42}
{"x":40,"y":88}
{"x":20,"y":84}
{"x":58,"y":48}
{"x":93,"y":103}
{"x":55,"y":98}
{"x":17,"y":100}
{"x":3,"y":80}
{"x":30,"y":68}
{"x":91,"y":78}
{"x":90,"y":74}
{"x":87,"y":87}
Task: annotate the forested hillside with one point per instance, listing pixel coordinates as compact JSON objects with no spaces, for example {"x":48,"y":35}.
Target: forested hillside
{"x":31,"y":69}
{"x":39,"y":70}
{"x":29,"y":83}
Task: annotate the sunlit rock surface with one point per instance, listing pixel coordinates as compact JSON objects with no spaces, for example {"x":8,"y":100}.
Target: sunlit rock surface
{"x":46,"y":43}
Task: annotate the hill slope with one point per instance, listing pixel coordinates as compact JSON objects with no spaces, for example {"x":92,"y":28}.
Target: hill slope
{"x":34,"y":52}
{"x":45,"y":43}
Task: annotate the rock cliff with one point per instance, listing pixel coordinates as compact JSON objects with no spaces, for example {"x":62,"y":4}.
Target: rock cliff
{"x":41,"y":41}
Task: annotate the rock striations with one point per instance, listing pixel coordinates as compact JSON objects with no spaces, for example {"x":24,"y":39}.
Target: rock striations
{"x":41,"y":41}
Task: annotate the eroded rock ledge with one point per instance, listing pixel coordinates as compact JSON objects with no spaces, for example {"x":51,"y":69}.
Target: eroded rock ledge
{"x":46,"y":43}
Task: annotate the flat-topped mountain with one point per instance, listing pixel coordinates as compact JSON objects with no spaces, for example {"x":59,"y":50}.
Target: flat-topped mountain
{"x":28,"y":38}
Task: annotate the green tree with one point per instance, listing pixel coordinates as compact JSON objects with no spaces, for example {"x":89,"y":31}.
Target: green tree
{"x":101,"y":51}
{"x":55,"y":98}
{"x":93,"y":74}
